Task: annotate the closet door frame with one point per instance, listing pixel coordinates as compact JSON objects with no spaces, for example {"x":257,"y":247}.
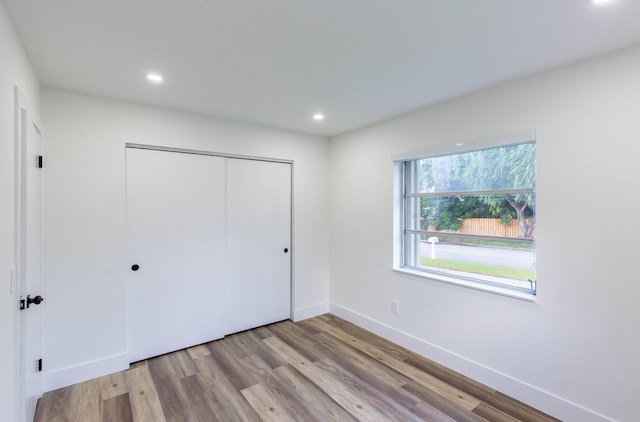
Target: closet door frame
{"x":245,"y":157}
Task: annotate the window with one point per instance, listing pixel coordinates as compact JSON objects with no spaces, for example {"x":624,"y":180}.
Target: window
{"x":469,"y":218}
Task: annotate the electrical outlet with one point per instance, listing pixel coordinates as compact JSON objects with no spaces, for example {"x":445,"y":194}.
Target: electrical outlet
{"x":395,"y":306}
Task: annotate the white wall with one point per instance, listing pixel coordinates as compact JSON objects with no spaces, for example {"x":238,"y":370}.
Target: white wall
{"x":578,"y":346}
{"x":85,"y":328}
{"x":15,"y":69}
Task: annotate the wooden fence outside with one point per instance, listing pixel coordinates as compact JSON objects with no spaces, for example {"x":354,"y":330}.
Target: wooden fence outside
{"x":488,"y":227}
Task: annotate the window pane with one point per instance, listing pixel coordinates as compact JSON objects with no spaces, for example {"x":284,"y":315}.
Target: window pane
{"x":510,"y":167}
{"x":483,"y":260}
{"x":510,"y":216}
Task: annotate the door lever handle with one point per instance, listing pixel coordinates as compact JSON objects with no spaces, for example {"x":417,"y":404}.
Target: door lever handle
{"x":34,"y":300}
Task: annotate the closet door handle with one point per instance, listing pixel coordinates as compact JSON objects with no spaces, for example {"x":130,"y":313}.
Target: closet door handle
{"x":286,"y":250}
{"x":135,"y":267}
{"x":34,"y":300}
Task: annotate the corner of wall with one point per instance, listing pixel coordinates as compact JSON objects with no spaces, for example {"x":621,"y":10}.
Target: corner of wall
{"x":310,"y":311}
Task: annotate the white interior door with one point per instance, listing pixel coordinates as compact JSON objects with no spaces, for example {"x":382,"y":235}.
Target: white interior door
{"x":176,"y":236}
{"x":29,"y":258}
{"x":258,"y":243}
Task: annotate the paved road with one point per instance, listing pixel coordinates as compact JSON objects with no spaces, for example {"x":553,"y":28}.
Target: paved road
{"x":502,"y":257}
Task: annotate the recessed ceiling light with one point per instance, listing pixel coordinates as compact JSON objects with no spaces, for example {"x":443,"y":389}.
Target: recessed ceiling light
{"x":318,"y":117}
{"x":600,"y":1}
{"x":459,"y":144}
{"x":154,"y":77}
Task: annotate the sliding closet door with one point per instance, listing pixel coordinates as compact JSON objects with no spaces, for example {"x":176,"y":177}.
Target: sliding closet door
{"x":176,"y":250}
{"x":258,"y":243}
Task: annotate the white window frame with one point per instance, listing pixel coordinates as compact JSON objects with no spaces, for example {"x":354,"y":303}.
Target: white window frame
{"x":399,"y":230}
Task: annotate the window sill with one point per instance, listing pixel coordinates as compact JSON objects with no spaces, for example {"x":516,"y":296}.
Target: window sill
{"x":490,"y":288}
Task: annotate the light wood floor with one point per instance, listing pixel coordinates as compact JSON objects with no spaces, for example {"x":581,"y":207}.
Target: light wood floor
{"x":322,"y":369}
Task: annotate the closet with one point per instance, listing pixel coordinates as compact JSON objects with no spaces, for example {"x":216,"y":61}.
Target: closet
{"x":208,"y":247}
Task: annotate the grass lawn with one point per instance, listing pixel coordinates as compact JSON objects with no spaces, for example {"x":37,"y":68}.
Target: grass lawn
{"x":510,"y":273}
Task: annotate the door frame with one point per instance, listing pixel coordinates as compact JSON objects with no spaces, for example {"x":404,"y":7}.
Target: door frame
{"x":203,"y":152}
{"x":246,"y":157}
{"x":24,"y":108}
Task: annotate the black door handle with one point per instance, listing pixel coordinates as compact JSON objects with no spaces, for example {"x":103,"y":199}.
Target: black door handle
{"x":34,"y":300}
{"x":286,"y":250}
{"x":135,"y":267}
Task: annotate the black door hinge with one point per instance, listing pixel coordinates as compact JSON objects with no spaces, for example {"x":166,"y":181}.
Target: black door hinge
{"x":40,"y":365}
{"x":40,"y":159}
{"x":23,"y":304}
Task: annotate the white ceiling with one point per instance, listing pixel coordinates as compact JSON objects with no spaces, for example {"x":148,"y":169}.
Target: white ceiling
{"x":276,"y":62}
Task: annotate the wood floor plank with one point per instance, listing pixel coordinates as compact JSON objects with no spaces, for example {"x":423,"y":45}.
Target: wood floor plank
{"x":371,"y":372}
{"x":266,"y":405}
{"x":166,"y":378}
{"x":442,"y":403}
{"x":136,"y":364}
{"x":487,"y":395}
{"x":198,"y":351}
{"x":54,"y":406}
{"x":117,"y":409}
{"x":249,"y":343}
{"x":308,"y":326}
{"x":244,"y":344}
{"x":342,"y":394}
{"x":297,"y":408}
{"x":269,"y":357}
{"x":462,"y":399}
{"x":85,"y":401}
{"x":388,"y":347}
{"x":173,"y":399}
{"x":519,"y":410}
{"x":113,"y":385}
{"x":429,"y":413}
{"x":255,"y":365}
{"x":145,"y":404}
{"x":490,"y":413}
{"x":231,"y":405}
{"x":183,"y":363}
{"x":317,"y":403}
{"x":222,"y":353}
{"x":324,"y":317}
{"x":297,"y":339}
{"x":338,"y":350}
{"x":367,"y":367}
{"x":386,"y":405}
{"x":262,"y":332}
{"x":201,"y":400}
{"x":322,"y":369}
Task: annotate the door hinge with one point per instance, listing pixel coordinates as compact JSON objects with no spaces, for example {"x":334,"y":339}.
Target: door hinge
{"x":40,"y":365}
{"x":40,"y":161}
{"x":23,"y":304}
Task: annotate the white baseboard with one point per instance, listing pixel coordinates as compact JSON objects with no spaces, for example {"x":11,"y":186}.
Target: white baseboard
{"x":526,"y":393}
{"x":310,"y":311}
{"x":63,"y":377}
